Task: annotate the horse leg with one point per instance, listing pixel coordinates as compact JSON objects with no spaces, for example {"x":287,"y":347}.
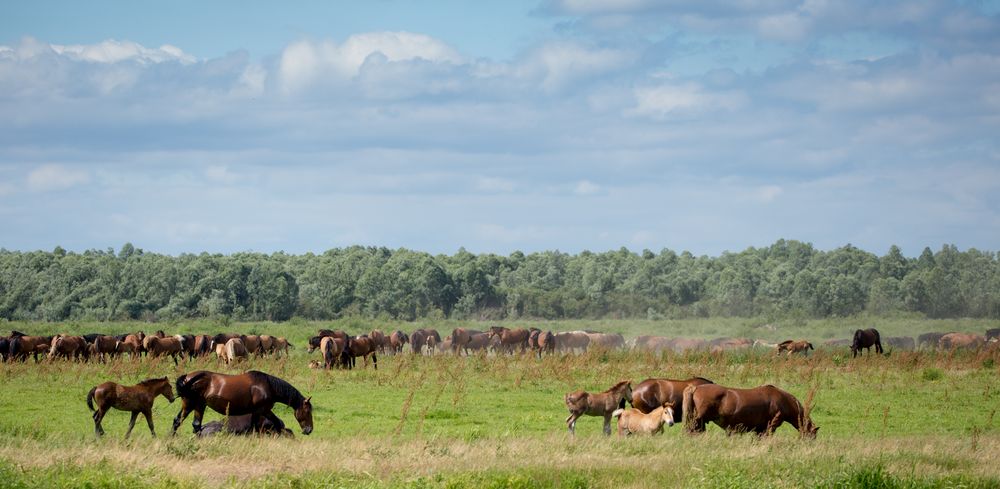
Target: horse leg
{"x":607,"y":424}
{"x":375,"y":360}
{"x":279,"y":425}
{"x":571,"y":423}
{"x":98,"y":417}
{"x":196,"y":424}
{"x":131,"y":424}
{"x":148,"y":413}
{"x":181,"y":416}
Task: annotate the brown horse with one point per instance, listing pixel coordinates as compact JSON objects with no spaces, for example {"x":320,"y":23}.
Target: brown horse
{"x":66,"y":346}
{"x":728,"y":344}
{"x":381,"y":342}
{"x":103,"y":347}
{"x":331,"y":348}
{"x":866,"y":338}
{"x":362,"y":346}
{"x":235,"y":350}
{"x":606,"y":341}
{"x":419,"y":339}
{"x":202,"y":345}
{"x":570,"y":341}
{"x":252,"y":392}
{"x":168,"y":345}
{"x":241,"y":425}
{"x":252,"y":343}
{"x":761,"y":410}
{"x":681,"y":345}
{"x":136,"y":398}
{"x":396,"y":341}
{"x":545,"y":343}
{"x":22,"y":346}
{"x":655,"y":344}
{"x":794,"y":346}
{"x":953,"y":341}
{"x":132,"y":344}
{"x":602,"y":404}
{"x":510,"y":338}
{"x":632,"y":421}
{"x":460,"y":338}
{"x":281,"y":346}
{"x":653,"y":393}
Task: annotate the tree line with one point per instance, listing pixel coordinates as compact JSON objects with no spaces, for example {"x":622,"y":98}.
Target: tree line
{"x":788,"y":278}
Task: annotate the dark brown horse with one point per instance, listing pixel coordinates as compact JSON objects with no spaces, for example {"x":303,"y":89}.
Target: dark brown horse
{"x":396,"y":341}
{"x":233,"y":395}
{"x":602,"y":404}
{"x":653,"y":393}
{"x":136,"y":398}
{"x":362,"y":346}
{"x":423,"y":337}
{"x":22,"y":346}
{"x":241,"y":425}
{"x":992,"y":334}
{"x":866,"y":338}
{"x":510,"y":338}
{"x":760,"y":410}
{"x":460,"y":338}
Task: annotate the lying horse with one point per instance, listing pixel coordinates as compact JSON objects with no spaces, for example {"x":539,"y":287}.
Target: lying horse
{"x":233,"y":395}
{"x":795,"y":346}
{"x":650,"y":394}
{"x":632,"y":421}
{"x":761,"y":410}
{"x":603,"y":404}
{"x":136,"y":398}
{"x":866,"y":338}
{"x":241,"y":425}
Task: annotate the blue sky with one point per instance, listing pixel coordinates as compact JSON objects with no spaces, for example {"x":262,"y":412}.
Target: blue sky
{"x":495,"y":126}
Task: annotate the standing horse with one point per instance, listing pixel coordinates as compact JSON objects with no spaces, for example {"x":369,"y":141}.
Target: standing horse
{"x":794,"y":346}
{"x":761,"y":410}
{"x":510,"y":338}
{"x":22,"y":346}
{"x":952,"y":341}
{"x":653,"y":393}
{"x":602,"y":404}
{"x":460,"y":338}
{"x":136,"y":398}
{"x":419,"y":339}
{"x":168,"y":345}
{"x":252,"y":392}
{"x":362,"y":346}
{"x":331,"y":348}
{"x":396,"y":341}
{"x":235,"y":350}
{"x":866,"y":338}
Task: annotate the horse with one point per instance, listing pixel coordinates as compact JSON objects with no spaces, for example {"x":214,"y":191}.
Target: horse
{"x":281,"y":345}
{"x":602,"y":404}
{"x":901,"y":342}
{"x":953,"y":341}
{"x":381,"y":342}
{"x":545,"y":343}
{"x":331,"y":348}
{"x":252,"y":343}
{"x":396,"y":341}
{"x":167,"y":345}
{"x":23,"y":345}
{"x":866,"y":338}
{"x":929,"y":339}
{"x":136,"y":398}
{"x":202,"y":345}
{"x":655,"y":344}
{"x":66,"y":346}
{"x":266,"y":344}
{"x":104,"y":346}
{"x":241,"y":425}
{"x":4,"y":348}
{"x":252,"y":393}
{"x":606,"y":341}
{"x":993,"y":334}
{"x":653,"y":393}
{"x":632,"y":421}
{"x":724,"y":344}
{"x":794,"y":346}
{"x":570,"y":341}
{"x":220,"y":352}
{"x":761,"y":410}
{"x":132,"y":344}
{"x":236,"y":350}
{"x":222,"y":338}
{"x":681,"y":345}
{"x":460,"y":338}
{"x":362,"y":346}
{"x":418,"y":340}
{"x":510,"y":338}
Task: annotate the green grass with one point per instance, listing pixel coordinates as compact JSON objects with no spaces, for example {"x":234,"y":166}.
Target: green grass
{"x":910,"y":419}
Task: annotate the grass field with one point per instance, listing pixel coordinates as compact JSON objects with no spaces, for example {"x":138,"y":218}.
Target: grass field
{"x":909,"y":419}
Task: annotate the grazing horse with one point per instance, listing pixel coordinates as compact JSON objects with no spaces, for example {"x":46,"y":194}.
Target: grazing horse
{"x":362,"y":346}
{"x":632,"y":421}
{"x":132,"y":344}
{"x":104,"y":346}
{"x":953,"y":341}
{"x":252,"y":343}
{"x":266,"y":344}
{"x":681,"y":345}
{"x":136,"y":398}
{"x":396,"y":341}
{"x":419,"y":339}
{"x":252,"y":392}
{"x":220,"y":352}
{"x":545,"y":342}
{"x":331,"y":348}
{"x":794,"y":346}
{"x":281,"y":345}
{"x":602,"y":404}
{"x":202,"y":345}
{"x":606,"y":341}
{"x":510,"y":338}
{"x":66,"y":346}
{"x":653,"y":393}
{"x":381,"y":342}
{"x":222,"y":338}
{"x":236,"y":350}
{"x":570,"y":341}
{"x":168,"y":345}
{"x":866,"y":338}
{"x":655,"y":344}
{"x":900,"y":342}
{"x":460,"y":338}
{"x":22,"y":346}
{"x":4,"y":348}
{"x":761,"y":410}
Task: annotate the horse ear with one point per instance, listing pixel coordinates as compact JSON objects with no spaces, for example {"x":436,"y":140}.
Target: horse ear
{"x":309,"y":398}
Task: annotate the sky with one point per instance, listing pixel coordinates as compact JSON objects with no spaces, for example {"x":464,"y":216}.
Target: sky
{"x":705,"y":126}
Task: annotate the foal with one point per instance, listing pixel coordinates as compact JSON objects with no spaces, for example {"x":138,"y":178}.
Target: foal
{"x":137,"y":398}
{"x":603,"y":404}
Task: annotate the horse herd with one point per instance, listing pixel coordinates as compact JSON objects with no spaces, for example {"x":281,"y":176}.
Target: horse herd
{"x":697,"y":401}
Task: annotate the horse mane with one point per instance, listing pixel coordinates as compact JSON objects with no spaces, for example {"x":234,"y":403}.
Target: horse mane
{"x":786,"y":342}
{"x":702,"y":378}
{"x":618,"y":385}
{"x":281,"y":389}
{"x":149,"y":382}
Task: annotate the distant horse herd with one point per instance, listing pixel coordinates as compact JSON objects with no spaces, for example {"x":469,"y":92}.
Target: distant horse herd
{"x":247,"y":399}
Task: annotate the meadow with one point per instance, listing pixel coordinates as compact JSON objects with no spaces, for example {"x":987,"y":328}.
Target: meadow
{"x":907,"y":419}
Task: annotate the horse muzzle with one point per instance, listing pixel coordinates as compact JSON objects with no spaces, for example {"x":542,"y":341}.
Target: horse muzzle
{"x":307,"y":430}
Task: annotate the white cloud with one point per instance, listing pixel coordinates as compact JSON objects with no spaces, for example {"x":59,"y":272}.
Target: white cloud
{"x":586,"y":187}
{"x":559,"y":64}
{"x":56,"y":177}
{"x":305,"y":63}
{"x":112,"y":51}
{"x":662,"y":100}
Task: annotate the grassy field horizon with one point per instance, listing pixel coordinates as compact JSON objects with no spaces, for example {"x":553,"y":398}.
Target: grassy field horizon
{"x":909,"y":419}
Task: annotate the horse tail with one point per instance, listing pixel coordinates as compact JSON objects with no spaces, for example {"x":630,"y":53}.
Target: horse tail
{"x":687,"y":406}
{"x":15,"y":346}
{"x":90,"y":398}
{"x":617,"y":413}
{"x":878,"y":341}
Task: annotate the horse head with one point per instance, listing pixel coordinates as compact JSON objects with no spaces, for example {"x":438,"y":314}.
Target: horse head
{"x":304,"y":415}
{"x":668,"y":413}
{"x":165,"y":389}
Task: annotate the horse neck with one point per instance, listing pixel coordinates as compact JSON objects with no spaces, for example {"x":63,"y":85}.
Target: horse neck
{"x":289,"y":396}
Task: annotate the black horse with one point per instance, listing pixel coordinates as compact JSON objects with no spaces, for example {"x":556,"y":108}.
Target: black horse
{"x":866,"y":338}
{"x":254,"y":393}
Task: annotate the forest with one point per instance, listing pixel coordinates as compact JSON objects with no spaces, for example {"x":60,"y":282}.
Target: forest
{"x":787,"y":279}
